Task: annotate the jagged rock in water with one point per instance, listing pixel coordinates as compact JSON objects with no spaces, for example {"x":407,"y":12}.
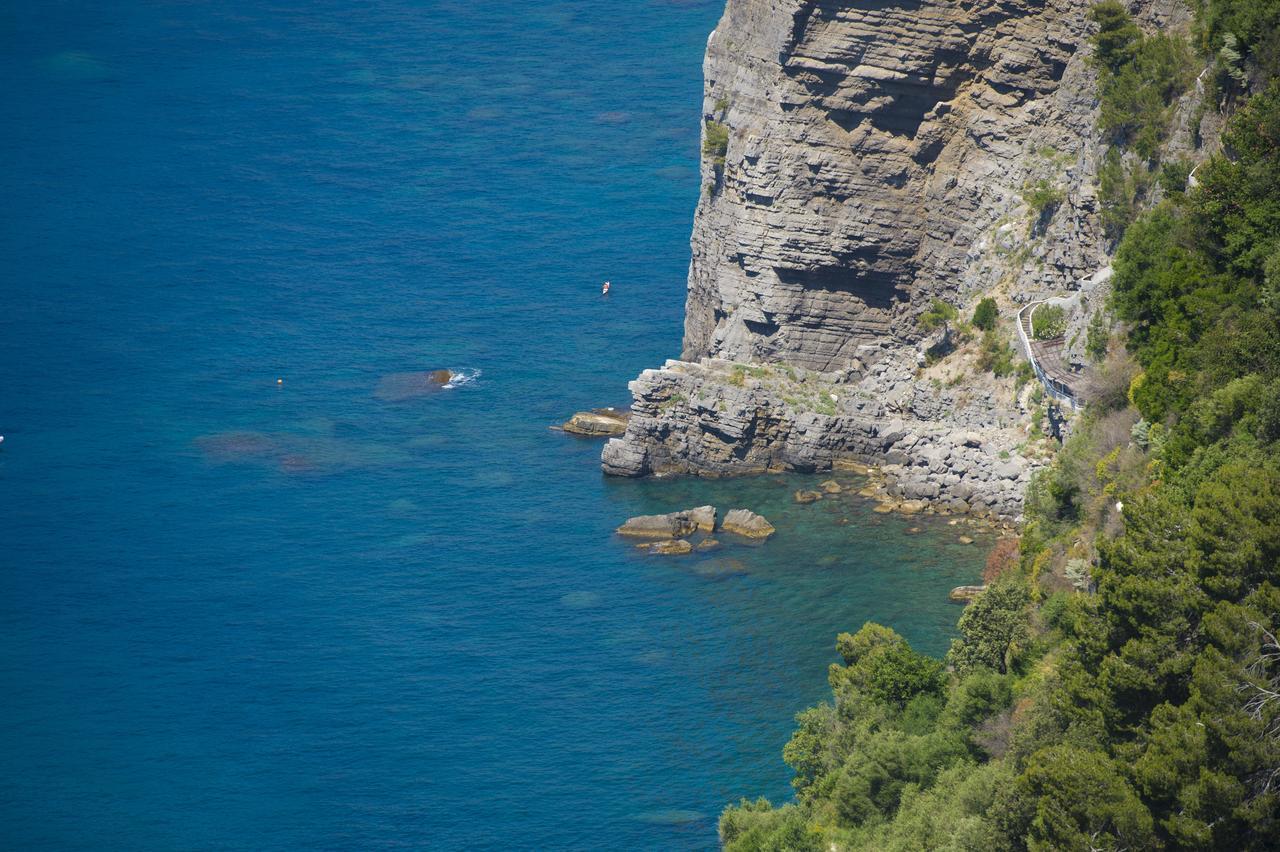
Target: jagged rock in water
{"x":671,"y":525}
{"x":747,"y":524}
{"x":704,"y":517}
{"x":598,"y":423}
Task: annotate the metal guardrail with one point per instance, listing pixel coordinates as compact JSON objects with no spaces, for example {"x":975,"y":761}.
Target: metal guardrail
{"x":1057,"y":389}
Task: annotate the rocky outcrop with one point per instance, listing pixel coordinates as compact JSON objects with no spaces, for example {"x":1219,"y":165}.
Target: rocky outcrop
{"x":747,"y":524}
{"x":598,"y":423}
{"x":672,"y":524}
{"x":873,"y":151}
{"x":964,"y":594}
{"x":863,"y":160}
{"x":715,"y":418}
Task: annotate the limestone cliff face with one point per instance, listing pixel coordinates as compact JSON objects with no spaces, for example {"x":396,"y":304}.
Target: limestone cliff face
{"x":880,"y":155}
{"x":872,"y":148}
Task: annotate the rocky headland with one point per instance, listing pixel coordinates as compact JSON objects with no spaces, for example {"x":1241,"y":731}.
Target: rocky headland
{"x":864,"y":166}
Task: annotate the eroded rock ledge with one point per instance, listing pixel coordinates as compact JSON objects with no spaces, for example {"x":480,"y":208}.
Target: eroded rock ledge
{"x":717,"y":418}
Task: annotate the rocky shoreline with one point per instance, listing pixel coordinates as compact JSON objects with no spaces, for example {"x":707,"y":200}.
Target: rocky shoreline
{"x":925,"y":447}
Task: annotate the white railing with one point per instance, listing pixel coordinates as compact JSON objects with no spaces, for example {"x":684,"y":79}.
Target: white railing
{"x":1057,"y":389}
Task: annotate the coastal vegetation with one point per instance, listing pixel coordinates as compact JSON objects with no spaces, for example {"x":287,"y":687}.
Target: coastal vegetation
{"x":1048,"y":322}
{"x":1118,"y":684}
{"x":1139,"y":78}
{"x":986,"y":314}
{"x":716,"y":142}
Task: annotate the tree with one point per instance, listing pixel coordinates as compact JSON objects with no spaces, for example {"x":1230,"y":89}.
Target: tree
{"x":986,"y":314}
{"x":882,"y":665}
{"x":1072,"y":798}
{"x":991,"y":627}
{"x":1117,"y":37}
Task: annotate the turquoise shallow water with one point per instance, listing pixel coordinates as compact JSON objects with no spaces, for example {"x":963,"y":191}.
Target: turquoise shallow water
{"x":321,"y":614}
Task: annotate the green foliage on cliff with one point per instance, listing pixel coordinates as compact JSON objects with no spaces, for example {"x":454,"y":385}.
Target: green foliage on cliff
{"x":716,"y":142}
{"x":1144,"y":714}
{"x":1241,"y":33}
{"x":1140,"y":77}
{"x":939,"y":312}
{"x":986,"y":314}
{"x":996,"y":355}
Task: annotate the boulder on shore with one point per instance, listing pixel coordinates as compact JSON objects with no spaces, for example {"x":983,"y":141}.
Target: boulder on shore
{"x":747,"y":524}
{"x":598,"y":423}
{"x":808,"y":496}
{"x":965,"y":594}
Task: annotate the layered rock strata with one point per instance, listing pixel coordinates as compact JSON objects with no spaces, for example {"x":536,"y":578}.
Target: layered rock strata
{"x":861,"y":161}
{"x":873,"y":150}
{"x":958,"y":450}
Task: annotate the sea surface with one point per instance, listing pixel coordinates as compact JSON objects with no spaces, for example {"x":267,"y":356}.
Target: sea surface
{"x":259,"y":590}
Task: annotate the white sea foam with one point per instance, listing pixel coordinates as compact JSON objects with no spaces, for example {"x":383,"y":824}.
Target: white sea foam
{"x":458,"y":378}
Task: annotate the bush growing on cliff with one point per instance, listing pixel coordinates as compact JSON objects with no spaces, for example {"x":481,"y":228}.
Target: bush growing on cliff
{"x":1140,"y":78}
{"x":986,"y":314}
{"x":716,"y":142}
{"x":996,"y":355}
{"x":938,"y":313}
{"x":1042,"y":195}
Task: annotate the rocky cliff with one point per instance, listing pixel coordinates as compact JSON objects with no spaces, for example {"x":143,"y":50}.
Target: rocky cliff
{"x":862,"y":160}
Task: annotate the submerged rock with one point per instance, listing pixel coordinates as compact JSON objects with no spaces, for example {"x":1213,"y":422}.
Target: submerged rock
{"x":716,"y":569}
{"x":676,"y":547}
{"x":598,"y":423}
{"x":747,"y":524}
{"x":808,"y":496}
{"x":831,"y":486}
{"x":708,"y":544}
{"x":398,"y":387}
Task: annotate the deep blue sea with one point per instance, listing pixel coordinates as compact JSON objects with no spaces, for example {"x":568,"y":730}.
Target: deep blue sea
{"x":326,"y":612}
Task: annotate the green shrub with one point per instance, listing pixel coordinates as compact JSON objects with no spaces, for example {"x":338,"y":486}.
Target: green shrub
{"x":939,"y":312}
{"x":716,"y":143}
{"x":1048,"y":322}
{"x":986,"y":314}
{"x":1042,"y":195}
{"x":1173,"y":177}
{"x":1098,"y":336}
{"x":1122,"y":188}
{"x":996,"y":355}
